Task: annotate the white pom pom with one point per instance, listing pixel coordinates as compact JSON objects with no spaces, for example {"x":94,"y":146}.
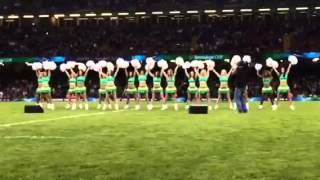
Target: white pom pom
{"x":82,"y":67}
{"x":97,"y":67}
{"x":90,"y":64}
{"x":275,"y":64}
{"x":125,"y":65}
{"x":63,"y":67}
{"x":110,"y":66}
{"x":200,"y":65}
{"x":179,"y":61}
{"x":36,"y":66}
{"x":235,"y":60}
{"x":186,"y":65}
{"x":150,"y":60}
{"x":162,"y":64}
{"x":135,"y":63}
{"x":52,"y":66}
{"x":146,"y":67}
{"x":102,"y":63}
{"x":194,"y":63}
{"x":247,"y":59}
{"x":258,"y":67}
{"x":120,"y":62}
{"x":293,"y":60}
{"x":315,"y":59}
{"x":1,"y":64}
{"x":210,"y":64}
{"x":46,"y":65}
{"x":269,"y":62}
{"x":71,"y":64}
{"x":165,"y":66}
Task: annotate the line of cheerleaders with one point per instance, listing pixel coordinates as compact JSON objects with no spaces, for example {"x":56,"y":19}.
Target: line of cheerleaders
{"x":77,"y":75}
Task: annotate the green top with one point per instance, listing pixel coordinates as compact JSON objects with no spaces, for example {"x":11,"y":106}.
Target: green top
{"x":142,"y":78}
{"x":283,"y":79}
{"x":192,"y":82}
{"x":110,"y":80}
{"x":170,"y":82}
{"x":72,"y":82}
{"x":203,"y":81}
{"x":224,"y":81}
{"x":45,"y":81}
{"x":266,"y":82}
{"x":103,"y":81}
{"x":81,"y":80}
{"x":157,"y":81}
{"x":131,"y":80}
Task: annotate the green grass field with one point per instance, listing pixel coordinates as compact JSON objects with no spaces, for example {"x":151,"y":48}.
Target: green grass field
{"x":144,"y":145}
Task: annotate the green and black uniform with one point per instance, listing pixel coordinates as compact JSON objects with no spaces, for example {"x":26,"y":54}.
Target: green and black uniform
{"x":43,"y":85}
{"x":111,"y":88}
{"x":192,"y":89}
{"x":283,"y":88}
{"x":143,"y":88}
{"x":157,"y":85}
{"x":81,"y":88}
{"x":203,"y":89}
{"x":103,"y":85}
{"x":171,"y":89}
{"x":267,"y":89}
{"x":131,"y":87}
{"x":72,"y":85}
{"x":224,"y":88}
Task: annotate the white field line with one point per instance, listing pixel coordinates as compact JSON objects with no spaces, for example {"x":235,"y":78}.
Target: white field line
{"x":32,"y":137}
{"x":52,"y":119}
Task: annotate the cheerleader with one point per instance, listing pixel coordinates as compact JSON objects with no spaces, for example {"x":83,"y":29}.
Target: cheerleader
{"x":44,"y":89}
{"x":103,"y":80}
{"x":192,"y":88}
{"x":131,"y":89}
{"x":203,"y":88}
{"x":284,"y":89}
{"x":224,"y":87}
{"x":111,"y":92}
{"x":157,"y":89}
{"x":170,"y":89}
{"x":267,"y":91}
{"x":81,"y":90}
{"x":142,"y":88}
{"x":72,"y":86}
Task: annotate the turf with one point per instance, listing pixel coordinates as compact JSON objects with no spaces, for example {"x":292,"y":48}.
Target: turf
{"x":154,"y":145}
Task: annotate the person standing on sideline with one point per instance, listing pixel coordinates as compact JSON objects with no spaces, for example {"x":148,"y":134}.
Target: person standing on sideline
{"x":241,"y":74}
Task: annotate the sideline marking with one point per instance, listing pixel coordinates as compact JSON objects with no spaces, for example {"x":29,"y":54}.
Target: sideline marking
{"x":51,"y":119}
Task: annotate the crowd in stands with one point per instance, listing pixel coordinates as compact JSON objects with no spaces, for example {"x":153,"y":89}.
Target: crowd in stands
{"x":253,"y":35}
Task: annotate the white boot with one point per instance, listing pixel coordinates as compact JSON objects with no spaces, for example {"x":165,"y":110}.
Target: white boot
{"x":274,"y":107}
{"x":52,"y":107}
{"x":104,"y":107}
{"x":137,"y":107}
{"x":176,"y":108}
{"x":48,"y":106}
{"x":116,"y":107}
{"x":187,"y":107}
{"x":41,"y":105}
{"x":80,"y":106}
{"x":99,"y":106}
{"x":164,"y":107}
{"x":68,"y":106}
{"x":216,"y":106}
{"x":149,"y":107}
{"x":126,"y":107}
{"x":74,"y":106}
{"x":247,"y":104}
{"x":292,"y":107}
{"x":86,"y":106}
{"x":209,"y":108}
{"x":109,"y":106}
{"x":260,"y":107}
{"x":235,"y":106}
